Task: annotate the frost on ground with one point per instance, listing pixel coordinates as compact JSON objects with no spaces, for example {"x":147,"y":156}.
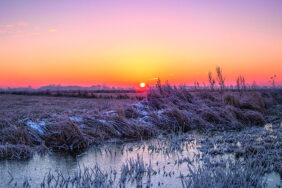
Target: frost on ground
{"x":173,"y":160}
{"x":76,"y":119}
{"x":73,"y":125}
{"x":37,"y":126}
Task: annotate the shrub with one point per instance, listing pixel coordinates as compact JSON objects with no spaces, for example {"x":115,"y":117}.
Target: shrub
{"x":130,"y":112}
{"x":179,"y":119}
{"x":252,"y":101}
{"x":14,"y":135}
{"x":254,"y":117}
{"x":211,"y":116}
{"x":231,"y":99}
{"x":15,"y":152}
{"x":65,"y":136}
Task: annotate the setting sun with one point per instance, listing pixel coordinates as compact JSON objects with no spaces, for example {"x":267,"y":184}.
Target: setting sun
{"x":92,"y":78}
{"x":142,"y":85}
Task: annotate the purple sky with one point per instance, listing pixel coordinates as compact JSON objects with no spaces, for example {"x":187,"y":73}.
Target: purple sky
{"x":126,"y":42}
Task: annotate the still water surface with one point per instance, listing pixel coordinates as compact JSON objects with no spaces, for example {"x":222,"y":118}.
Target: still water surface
{"x":163,"y":156}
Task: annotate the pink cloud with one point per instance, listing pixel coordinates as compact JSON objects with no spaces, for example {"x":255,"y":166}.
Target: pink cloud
{"x":35,"y":33}
{"x":9,"y":25}
{"x":3,"y":31}
{"x":36,"y":28}
{"x":23,"y":24}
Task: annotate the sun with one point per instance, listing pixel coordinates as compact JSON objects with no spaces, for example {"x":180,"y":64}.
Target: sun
{"x":142,"y":84}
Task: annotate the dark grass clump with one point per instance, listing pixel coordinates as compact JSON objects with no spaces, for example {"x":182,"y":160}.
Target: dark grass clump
{"x":252,"y":101}
{"x":74,"y":137}
{"x":178,"y":108}
{"x":65,"y":136}
{"x":14,"y":135}
{"x":15,"y":152}
{"x":232,"y":100}
{"x":15,"y":142}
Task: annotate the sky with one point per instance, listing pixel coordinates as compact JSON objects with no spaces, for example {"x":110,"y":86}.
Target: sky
{"x":125,"y":42}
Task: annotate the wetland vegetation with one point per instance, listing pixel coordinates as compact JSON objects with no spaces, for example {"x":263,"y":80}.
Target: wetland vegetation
{"x":191,"y":138}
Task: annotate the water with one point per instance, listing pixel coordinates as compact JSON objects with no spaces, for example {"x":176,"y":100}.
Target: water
{"x":165,"y":155}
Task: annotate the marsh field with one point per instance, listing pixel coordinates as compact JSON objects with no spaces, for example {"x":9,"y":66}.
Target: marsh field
{"x":165,"y":137}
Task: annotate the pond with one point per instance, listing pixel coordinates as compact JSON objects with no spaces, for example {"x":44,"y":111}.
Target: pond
{"x":159,"y":162}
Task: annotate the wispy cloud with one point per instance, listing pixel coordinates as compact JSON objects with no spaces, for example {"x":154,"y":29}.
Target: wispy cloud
{"x":19,"y":31}
{"x":35,"y":33}
{"x":52,"y":30}
{"x":3,"y":31}
{"x":22,"y":24}
{"x":36,"y":28}
{"x":16,"y":29}
{"x":9,"y":26}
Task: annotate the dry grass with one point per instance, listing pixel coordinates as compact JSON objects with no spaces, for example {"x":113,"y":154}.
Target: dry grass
{"x":210,"y":110}
{"x":79,"y":93}
{"x":73,"y":124}
{"x":60,"y":133}
{"x":228,"y":173}
{"x":15,"y":152}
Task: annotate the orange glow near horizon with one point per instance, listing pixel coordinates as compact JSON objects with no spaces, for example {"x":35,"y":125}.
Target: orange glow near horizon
{"x":122,"y":43}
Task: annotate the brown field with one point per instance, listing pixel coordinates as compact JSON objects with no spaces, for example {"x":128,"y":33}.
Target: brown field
{"x":17,"y":108}
{"x":31,"y":124}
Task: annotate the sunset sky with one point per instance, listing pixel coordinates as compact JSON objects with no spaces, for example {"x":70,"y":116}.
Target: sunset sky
{"x":123,"y":43}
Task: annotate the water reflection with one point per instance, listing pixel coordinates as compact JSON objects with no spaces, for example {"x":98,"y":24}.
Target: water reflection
{"x":168,"y":156}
